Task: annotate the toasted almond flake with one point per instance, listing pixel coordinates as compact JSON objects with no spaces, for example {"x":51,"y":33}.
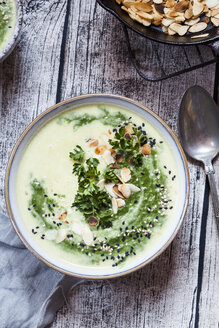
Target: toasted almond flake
{"x":109,"y":189}
{"x":167,"y":21}
{"x":109,"y":131}
{"x":61,"y":235}
{"x":62,"y":216}
{"x":120,"y":202}
{"x":143,"y":15}
{"x":107,"y":157}
{"x":114,"y":205}
{"x":191,"y":22}
{"x":125,"y":190}
{"x":211,"y":3}
{"x":101,"y":183}
{"x":189,"y":13}
{"x":171,"y":32}
{"x":215,"y":21}
{"x":77,"y":227}
{"x":214,"y":12}
{"x":133,"y":188}
{"x":146,"y":149}
{"x":197,"y":9}
{"x":199,"y":36}
{"x":125,"y":174}
{"x":179,"y":29}
{"x":51,"y":234}
{"x":87,"y":234}
{"x":158,"y":1}
{"x":100,"y":150}
{"x":113,"y":152}
{"x":94,"y":143}
{"x":198,"y":27}
{"x":117,"y":192}
{"x":119,"y":2}
{"x":170,"y":3}
{"x":142,"y":6}
{"x":182,"y":6}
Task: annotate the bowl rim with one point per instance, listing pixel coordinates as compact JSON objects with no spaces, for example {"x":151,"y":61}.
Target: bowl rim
{"x":8,"y":169}
{"x":10,"y":45}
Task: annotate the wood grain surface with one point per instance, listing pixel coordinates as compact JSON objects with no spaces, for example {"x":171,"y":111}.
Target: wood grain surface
{"x":68,"y":48}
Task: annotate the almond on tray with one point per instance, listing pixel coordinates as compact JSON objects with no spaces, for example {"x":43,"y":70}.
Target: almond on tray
{"x":174,"y":16}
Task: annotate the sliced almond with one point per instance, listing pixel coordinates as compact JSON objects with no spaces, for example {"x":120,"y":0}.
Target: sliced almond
{"x":197,"y":9}
{"x":114,"y":166}
{"x":211,"y":3}
{"x":171,"y":32}
{"x":113,"y":152}
{"x":62,"y":216}
{"x":100,"y":150}
{"x":189,"y":13}
{"x":101,"y":183}
{"x":61,"y":235}
{"x":158,"y":1}
{"x":87,"y":235}
{"x":143,"y":6}
{"x":108,"y":157}
{"x":51,"y":234}
{"x":120,"y":202}
{"x":114,"y":205}
{"x":125,"y":174}
{"x":167,"y":21}
{"x":182,"y":6}
{"x":146,"y":149}
{"x":215,"y":21}
{"x":133,"y":188}
{"x":198,"y":27}
{"x":94,"y":143}
{"x":200,"y":36}
{"x":109,"y":189}
{"x":179,"y":29}
{"x":214,"y":12}
{"x":125,"y":190}
{"x":170,"y":3}
{"x":117,"y":192}
{"x":191,"y":22}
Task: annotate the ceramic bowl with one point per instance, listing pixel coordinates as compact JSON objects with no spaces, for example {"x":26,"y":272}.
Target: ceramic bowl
{"x":30,"y":132}
{"x":5,"y":52}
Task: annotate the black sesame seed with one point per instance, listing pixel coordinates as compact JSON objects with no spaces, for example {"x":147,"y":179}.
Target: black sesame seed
{"x":45,"y":215}
{"x":42,"y":237}
{"x":134,"y":124}
{"x":55,"y":194}
{"x":171,"y":207}
{"x":126,"y":228}
{"x":112,"y":258}
{"x":114,"y":130}
{"x":165,"y":166}
{"x":103,"y":260}
{"x":161,"y":141}
{"x":132,"y":227}
{"x":144,"y":132}
{"x":53,"y":214}
{"x":134,"y":253}
{"x":95,"y":238}
{"x":54,"y":222}
{"x":32,"y":230}
{"x":102,"y":255}
{"x":130,"y":235}
{"x":45,"y":195}
{"x":143,"y":124}
{"x":118,"y":257}
{"x":141,"y":235}
{"x":118,"y":250}
{"x":123,"y":238}
{"x":37,"y":227}
{"x":53,"y":205}
{"x":93,"y":250}
{"x":139,"y":240}
{"x":123,"y":222}
{"x":34,"y":205}
{"x":29,"y":209}
{"x":120,"y":229}
{"x":169,"y":172}
{"x":49,"y":215}
{"x":126,"y":253}
{"x":135,"y":201}
{"x":139,"y":128}
{"x":142,"y":173}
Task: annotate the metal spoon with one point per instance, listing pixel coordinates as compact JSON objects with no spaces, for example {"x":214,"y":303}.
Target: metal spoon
{"x":199,"y":132}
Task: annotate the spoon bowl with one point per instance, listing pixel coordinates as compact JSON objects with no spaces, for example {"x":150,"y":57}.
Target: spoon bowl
{"x":199,"y":132}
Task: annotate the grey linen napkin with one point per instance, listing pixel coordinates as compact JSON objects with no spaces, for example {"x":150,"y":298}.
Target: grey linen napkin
{"x":30,"y":291}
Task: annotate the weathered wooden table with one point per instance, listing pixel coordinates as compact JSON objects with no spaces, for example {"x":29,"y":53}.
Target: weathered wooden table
{"x":69,"y":48}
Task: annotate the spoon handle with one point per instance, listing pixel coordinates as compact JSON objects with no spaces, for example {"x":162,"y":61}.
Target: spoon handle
{"x":211,"y":178}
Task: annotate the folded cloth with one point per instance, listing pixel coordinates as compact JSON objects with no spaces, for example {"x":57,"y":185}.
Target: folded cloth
{"x":30,"y":291}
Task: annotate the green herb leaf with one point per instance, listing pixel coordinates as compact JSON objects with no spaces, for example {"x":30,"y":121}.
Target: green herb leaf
{"x":77,"y":154}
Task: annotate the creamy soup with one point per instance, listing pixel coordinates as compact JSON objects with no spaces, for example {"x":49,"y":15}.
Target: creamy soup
{"x":7,"y":21}
{"x":98,"y":186}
